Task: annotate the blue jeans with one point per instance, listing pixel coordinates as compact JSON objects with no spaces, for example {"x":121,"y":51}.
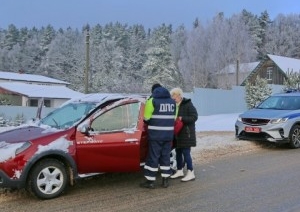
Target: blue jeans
{"x":184,"y":154}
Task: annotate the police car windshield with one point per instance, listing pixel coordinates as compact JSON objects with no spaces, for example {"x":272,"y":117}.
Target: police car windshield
{"x":281,"y":103}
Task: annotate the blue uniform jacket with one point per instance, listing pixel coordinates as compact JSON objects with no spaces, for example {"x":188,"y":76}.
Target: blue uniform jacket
{"x":161,"y":122}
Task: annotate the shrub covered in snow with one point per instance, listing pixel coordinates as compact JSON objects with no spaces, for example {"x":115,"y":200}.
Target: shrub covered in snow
{"x":8,"y":121}
{"x":257,"y":92}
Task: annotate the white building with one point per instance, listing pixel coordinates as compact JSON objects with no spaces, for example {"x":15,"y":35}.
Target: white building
{"x":29,"y":90}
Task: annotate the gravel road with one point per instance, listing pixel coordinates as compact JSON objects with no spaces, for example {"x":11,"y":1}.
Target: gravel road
{"x":215,"y":144}
{"x":211,"y":145}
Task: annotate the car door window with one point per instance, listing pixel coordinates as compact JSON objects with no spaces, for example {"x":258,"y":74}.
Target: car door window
{"x":116,"y":119}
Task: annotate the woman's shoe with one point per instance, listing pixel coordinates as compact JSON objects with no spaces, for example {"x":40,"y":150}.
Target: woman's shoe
{"x":189,"y":176}
{"x":178,"y":173}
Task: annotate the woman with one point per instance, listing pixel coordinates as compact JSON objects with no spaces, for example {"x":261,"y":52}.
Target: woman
{"x":186,"y":138}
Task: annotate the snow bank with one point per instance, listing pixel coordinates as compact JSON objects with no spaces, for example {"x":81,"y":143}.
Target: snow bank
{"x":220,"y":122}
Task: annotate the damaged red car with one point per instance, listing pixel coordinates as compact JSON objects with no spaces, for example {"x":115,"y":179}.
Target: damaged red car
{"x":97,"y":133}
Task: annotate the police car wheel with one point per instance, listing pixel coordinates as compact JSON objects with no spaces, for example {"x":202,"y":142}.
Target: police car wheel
{"x":295,"y":137}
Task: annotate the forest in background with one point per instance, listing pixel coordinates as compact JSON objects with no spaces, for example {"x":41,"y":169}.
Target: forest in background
{"x":130,"y":59}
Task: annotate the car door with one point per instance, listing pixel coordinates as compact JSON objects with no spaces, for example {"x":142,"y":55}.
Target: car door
{"x":113,"y":141}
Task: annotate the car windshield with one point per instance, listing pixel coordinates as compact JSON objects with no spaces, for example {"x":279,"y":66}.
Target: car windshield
{"x":281,"y":103}
{"x":67,"y":115}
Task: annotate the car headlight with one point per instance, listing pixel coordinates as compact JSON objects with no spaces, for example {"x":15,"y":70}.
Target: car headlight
{"x":22,"y":148}
{"x":239,"y":119}
{"x":278,"y":121}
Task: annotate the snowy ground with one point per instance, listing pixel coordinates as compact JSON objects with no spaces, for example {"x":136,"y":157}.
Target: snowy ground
{"x":220,"y":122}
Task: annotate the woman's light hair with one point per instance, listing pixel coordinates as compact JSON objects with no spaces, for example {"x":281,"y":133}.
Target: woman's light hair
{"x":176,"y":91}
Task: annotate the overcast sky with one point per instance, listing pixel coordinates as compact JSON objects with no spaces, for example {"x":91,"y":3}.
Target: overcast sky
{"x":150,"y":13}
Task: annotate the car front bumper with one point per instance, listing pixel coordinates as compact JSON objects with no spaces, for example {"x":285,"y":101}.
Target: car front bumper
{"x":277,"y":133}
{"x":7,"y":182}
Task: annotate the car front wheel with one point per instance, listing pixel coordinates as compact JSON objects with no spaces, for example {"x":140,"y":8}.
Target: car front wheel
{"x":295,"y":137}
{"x":48,"y":179}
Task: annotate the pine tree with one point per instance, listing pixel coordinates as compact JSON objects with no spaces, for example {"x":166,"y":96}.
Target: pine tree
{"x":23,"y":36}
{"x":107,"y":59}
{"x":48,"y":34}
{"x":159,"y":66}
{"x":11,"y":37}
{"x":292,"y":82}
{"x":257,"y":92}
{"x":252,"y":22}
{"x":136,"y":57}
{"x":264,"y":21}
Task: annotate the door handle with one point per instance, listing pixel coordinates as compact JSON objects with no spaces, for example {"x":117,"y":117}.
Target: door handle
{"x":130,"y":140}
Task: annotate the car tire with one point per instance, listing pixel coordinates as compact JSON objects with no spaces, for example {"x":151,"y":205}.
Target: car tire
{"x":48,"y":179}
{"x":294,"y":137}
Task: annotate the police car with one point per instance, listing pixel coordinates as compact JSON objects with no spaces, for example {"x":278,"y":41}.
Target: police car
{"x":276,"y":119}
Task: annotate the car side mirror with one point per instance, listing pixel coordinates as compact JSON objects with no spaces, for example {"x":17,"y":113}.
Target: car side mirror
{"x":84,"y":129}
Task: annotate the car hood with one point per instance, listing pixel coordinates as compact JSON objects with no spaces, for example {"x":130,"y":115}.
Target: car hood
{"x":25,"y":133}
{"x":269,"y":114}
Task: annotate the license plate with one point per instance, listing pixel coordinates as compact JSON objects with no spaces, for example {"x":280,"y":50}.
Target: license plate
{"x":253,"y":129}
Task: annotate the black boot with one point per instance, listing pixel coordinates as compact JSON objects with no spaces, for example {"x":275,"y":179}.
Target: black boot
{"x":148,"y":184}
{"x":165,"y":182}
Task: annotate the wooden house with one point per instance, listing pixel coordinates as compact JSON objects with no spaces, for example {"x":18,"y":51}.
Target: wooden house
{"x":274,"y":68}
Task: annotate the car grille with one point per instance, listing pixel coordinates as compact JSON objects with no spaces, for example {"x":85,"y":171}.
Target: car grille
{"x":255,"y":122}
{"x":254,"y":136}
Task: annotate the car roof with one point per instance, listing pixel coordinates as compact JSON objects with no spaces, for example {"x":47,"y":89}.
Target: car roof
{"x":99,"y":98}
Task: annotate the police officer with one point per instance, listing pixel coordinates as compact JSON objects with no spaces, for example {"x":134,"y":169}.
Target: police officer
{"x":159,"y":114}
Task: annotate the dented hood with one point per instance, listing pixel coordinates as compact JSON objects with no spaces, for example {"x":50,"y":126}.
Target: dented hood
{"x":25,"y":133}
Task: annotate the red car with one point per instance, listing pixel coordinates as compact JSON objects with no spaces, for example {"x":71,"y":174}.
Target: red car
{"x":90,"y":135}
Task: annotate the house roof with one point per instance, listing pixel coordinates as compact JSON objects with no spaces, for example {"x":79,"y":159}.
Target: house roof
{"x":243,"y":67}
{"x":40,"y":91}
{"x":29,"y":78}
{"x":286,"y":64}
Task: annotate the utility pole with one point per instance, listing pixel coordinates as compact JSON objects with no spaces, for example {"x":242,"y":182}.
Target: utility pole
{"x":237,"y":72}
{"x":87,"y":62}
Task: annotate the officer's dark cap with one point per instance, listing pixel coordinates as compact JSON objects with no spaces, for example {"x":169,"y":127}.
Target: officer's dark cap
{"x":156,"y":85}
